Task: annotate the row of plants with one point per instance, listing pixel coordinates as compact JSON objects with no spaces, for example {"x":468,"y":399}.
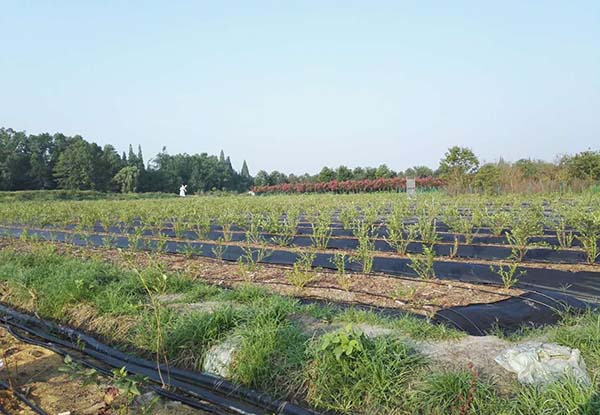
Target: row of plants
{"x":462,"y":214}
{"x":255,"y":250}
{"x":575,"y":222}
{"x":399,"y":234}
{"x":343,"y":371}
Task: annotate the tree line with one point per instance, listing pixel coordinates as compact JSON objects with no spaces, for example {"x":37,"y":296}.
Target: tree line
{"x":45,"y":161}
{"x":462,"y":171}
{"x":57,"y":161}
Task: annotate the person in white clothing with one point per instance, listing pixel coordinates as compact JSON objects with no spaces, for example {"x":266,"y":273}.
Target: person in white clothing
{"x":182,"y":190}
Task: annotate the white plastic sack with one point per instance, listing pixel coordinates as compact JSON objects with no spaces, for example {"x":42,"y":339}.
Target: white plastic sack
{"x":537,"y":363}
{"x":219,"y":358}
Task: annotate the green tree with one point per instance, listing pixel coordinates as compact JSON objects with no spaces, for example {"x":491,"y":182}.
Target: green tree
{"x":370,"y":173}
{"x":277,"y":177}
{"x":262,"y":178}
{"x":15,"y":158}
{"x":41,"y":162}
{"x":457,"y":166}
{"x":358,"y":173}
{"x":127,"y":179}
{"x":584,"y":165}
{"x":343,"y":173}
{"x":246,"y":180}
{"x":384,"y":172}
{"x":245,"y":173}
{"x":75,"y":167}
{"x":326,"y":175}
{"x":418,"y":171}
{"x":487,"y":179}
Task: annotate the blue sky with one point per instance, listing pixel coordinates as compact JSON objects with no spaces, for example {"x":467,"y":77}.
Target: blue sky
{"x":293,"y":85}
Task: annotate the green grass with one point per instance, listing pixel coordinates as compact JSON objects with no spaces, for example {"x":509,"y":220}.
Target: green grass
{"x":415,"y":327}
{"x":581,"y":332}
{"x":443,"y":393}
{"x":379,"y":376}
{"x":188,"y":337}
{"x":371,"y":379}
{"x":271,"y":357}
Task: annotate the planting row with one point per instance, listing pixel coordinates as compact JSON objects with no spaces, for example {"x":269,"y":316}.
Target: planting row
{"x":443,"y":244}
{"x":581,"y":284}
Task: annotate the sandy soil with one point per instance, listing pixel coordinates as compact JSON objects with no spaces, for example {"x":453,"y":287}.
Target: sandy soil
{"x":34,"y":371}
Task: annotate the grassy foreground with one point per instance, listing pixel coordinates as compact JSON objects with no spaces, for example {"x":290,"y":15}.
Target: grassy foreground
{"x":342,"y":371}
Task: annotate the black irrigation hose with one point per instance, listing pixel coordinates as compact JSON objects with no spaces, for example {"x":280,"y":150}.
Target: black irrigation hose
{"x":23,"y":398}
{"x":195,"y":383}
{"x":202,"y":393}
{"x":3,"y":411}
{"x":157,"y":389}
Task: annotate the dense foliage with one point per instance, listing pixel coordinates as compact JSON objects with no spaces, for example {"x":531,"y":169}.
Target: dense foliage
{"x":44,"y":161}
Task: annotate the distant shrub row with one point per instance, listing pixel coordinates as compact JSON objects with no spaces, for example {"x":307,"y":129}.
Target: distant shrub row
{"x":75,"y":195}
{"x":350,"y":186}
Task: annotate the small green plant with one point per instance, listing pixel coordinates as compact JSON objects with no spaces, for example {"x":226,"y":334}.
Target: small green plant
{"x":254,"y":227}
{"x":127,"y":385}
{"x":226,"y":232}
{"x":508,"y":274}
{"x":527,"y":223}
{"x":454,"y":249}
{"x":161,"y":242}
{"x":25,"y":236}
{"x":399,"y":234}
{"x":180,"y":227}
{"x":588,"y":226}
{"x":347,"y":216}
{"x":564,"y":235}
{"x":301,"y":274}
{"x":108,"y":241}
{"x":218,"y":250}
{"x":498,"y":220}
{"x":77,"y":371}
{"x":321,"y":231}
{"x":423,"y":264}
{"x":136,"y":240}
{"x":253,"y":256}
{"x":342,"y":278}
{"x":407,"y":293}
{"x":202,"y":227}
{"x":190,"y":250}
{"x":345,"y":343}
{"x":365,"y":252}
{"x":427,"y":227}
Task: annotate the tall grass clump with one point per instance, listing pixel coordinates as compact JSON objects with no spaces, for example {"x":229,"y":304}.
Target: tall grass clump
{"x":456,"y":393}
{"x":271,"y":356}
{"x":188,"y":336}
{"x":350,"y":373}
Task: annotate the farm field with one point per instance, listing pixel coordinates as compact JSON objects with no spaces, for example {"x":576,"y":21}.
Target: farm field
{"x":349,"y":303}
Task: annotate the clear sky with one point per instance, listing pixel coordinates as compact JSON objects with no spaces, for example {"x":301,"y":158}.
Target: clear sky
{"x":295,"y":85}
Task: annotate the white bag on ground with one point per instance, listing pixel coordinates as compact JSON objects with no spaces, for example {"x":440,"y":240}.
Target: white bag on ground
{"x":537,"y":363}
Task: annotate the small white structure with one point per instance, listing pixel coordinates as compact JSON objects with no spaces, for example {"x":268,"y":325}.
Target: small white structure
{"x":411,"y":187}
{"x":182,"y":190}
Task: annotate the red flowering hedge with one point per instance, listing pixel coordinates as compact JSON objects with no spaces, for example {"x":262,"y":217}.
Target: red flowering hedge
{"x":350,"y":186}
